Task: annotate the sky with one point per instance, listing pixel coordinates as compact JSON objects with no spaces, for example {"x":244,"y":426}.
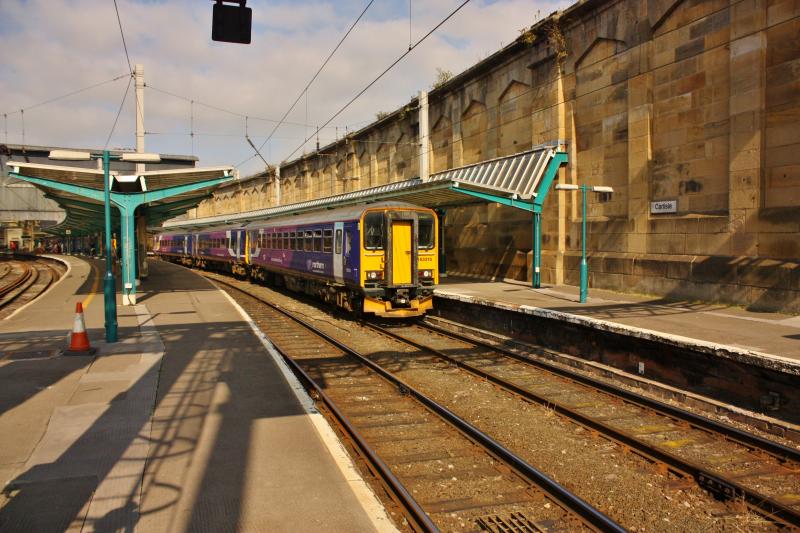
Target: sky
{"x":50,"y":48}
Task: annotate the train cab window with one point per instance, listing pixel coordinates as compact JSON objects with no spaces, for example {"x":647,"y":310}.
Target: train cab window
{"x":338,"y":244}
{"x":309,"y":241}
{"x":373,"y":231}
{"x":327,"y":241}
{"x":426,"y":231}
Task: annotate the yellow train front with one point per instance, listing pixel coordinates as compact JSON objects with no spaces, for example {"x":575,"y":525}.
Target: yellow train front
{"x":399,"y":259}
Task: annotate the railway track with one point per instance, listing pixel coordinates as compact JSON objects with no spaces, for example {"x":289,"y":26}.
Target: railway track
{"x":732,"y":464}
{"x":441,"y":471}
{"x":23,"y":281}
{"x":642,"y":490}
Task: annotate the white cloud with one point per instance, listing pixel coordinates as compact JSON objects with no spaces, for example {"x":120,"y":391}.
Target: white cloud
{"x":50,"y":47}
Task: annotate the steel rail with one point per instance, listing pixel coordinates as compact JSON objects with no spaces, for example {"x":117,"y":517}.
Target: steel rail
{"x":777,"y":450}
{"x":708,"y":479}
{"x":571,"y":502}
{"x":15,"y":284}
{"x":416,"y":515}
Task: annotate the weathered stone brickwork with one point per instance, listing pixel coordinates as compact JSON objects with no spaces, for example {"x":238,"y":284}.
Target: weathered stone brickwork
{"x":692,"y":101}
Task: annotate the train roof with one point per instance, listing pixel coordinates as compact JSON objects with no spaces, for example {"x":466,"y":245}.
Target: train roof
{"x":350,"y":212}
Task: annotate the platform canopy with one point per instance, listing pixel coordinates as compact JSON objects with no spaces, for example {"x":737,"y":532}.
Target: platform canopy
{"x":79,"y":191}
{"x":520,"y":180}
{"x":141,"y":199}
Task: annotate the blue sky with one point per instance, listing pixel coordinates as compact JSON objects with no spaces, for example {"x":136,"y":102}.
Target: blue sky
{"x":51,"y":47}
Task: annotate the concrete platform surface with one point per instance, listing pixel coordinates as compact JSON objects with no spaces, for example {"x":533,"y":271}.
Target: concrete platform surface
{"x":186,"y":424}
{"x":768,"y":334}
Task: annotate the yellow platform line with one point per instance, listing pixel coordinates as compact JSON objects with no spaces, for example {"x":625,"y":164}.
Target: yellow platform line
{"x":95,"y":286}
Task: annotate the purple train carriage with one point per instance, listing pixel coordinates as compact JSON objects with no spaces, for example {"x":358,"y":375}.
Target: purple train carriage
{"x":378,"y":258}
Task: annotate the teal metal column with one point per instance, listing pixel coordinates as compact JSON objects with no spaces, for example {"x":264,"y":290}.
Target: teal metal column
{"x":584,"y":264}
{"x":559,"y":158}
{"x":442,"y":256}
{"x":127,"y":204}
{"x":536,"y":277}
{"x":109,"y":288}
{"x":128,"y":255}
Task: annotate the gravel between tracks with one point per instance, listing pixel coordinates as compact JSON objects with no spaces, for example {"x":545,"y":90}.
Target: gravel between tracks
{"x":622,"y":485}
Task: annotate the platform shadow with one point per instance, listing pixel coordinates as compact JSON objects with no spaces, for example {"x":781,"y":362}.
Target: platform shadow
{"x":212,"y":385}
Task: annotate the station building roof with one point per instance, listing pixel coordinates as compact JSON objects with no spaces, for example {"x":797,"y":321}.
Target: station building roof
{"x":515,"y":180}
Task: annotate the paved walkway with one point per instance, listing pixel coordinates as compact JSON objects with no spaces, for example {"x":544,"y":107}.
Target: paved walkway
{"x":769,"y":333}
{"x":186,"y":424}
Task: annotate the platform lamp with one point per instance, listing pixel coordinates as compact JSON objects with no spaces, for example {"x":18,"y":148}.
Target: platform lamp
{"x":109,"y":281}
{"x":584,"y":264}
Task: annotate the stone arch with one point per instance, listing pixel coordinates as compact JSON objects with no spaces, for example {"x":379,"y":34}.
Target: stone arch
{"x":405,"y":158}
{"x":316,"y":185}
{"x":694,"y":150}
{"x":601,"y":124}
{"x":382,"y":157}
{"x":474,"y":123}
{"x":514,"y":118}
{"x":441,"y":140}
{"x":365,"y":169}
{"x":599,"y":49}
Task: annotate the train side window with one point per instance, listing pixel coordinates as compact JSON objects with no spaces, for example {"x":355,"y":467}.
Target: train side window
{"x":309,"y":241}
{"x":327,"y":241}
{"x":338,"y":242}
{"x":373,"y":231}
{"x":317,"y":240}
{"x":426,"y":231}
{"x":286,"y":240}
{"x":348,"y":242}
{"x":292,"y":243}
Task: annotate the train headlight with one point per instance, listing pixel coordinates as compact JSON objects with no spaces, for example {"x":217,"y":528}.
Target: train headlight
{"x":374,"y":275}
{"x":427,"y":274}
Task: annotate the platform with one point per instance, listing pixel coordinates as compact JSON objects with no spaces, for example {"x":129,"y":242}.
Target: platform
{"x":769,"y":334}
{"x":188,"y":423}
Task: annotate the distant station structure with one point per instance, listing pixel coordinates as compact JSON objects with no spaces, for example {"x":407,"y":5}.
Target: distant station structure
{"x":27,"y":211}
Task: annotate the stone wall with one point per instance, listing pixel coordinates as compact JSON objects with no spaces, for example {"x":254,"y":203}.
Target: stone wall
{"x":692,"y":101}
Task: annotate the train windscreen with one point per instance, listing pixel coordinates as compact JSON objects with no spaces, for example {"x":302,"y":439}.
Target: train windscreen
{"x":373,"y":231}
{"x":426,"y":231}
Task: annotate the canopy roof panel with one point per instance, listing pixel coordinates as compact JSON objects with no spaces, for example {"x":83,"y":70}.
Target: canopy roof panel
{"x":510,"y":180}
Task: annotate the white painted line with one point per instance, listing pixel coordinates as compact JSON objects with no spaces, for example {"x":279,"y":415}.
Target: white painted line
{"x":372,"y":506}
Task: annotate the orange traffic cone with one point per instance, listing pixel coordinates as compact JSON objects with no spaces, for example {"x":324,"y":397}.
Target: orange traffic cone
{"x":79,"y":340}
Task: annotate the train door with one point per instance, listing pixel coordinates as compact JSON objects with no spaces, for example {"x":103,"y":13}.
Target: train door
{"x":338,"y":251}
{"x":232,"y":243}
{"x":402,"y":238}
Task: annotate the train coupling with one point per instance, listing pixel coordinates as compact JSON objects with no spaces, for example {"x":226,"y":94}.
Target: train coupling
{"x":401,"y":299}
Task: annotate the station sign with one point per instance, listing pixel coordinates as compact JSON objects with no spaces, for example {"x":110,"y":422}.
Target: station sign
{"x":663,"y":206}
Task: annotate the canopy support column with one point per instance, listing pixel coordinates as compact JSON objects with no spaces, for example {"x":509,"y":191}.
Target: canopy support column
{"x":559,"y":158}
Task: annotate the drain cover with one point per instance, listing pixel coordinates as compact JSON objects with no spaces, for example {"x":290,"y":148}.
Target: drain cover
{"x":512,"y":523}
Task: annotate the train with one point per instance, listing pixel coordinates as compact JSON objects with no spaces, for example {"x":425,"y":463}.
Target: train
{"x":379,"y":259}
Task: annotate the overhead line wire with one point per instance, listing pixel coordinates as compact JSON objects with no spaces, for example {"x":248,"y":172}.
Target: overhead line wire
{"x":390,"y":67}
{"x":119,"y":111}
{"x":72,"y":93}
{"x":319,"y":70}
{"x":220,"y":109}
{"x":122,"y":33}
